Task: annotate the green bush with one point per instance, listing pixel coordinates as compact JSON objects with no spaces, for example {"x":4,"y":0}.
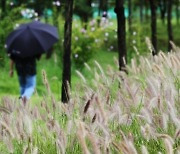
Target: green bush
{"x":109,"y":39}
{"x":83,"y":47}
{"x":86,"y":42}
{"x":7,"y":24}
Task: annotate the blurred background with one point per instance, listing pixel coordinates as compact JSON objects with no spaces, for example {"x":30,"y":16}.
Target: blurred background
{"x":94,"y":33}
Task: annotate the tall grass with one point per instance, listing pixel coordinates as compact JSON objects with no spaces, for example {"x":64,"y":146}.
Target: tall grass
{"x":115,"y":112}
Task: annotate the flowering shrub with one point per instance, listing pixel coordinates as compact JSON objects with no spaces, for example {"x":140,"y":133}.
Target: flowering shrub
{"x":86,"y":42}
{"x":110,"y":40}
{"x":83,"y":46}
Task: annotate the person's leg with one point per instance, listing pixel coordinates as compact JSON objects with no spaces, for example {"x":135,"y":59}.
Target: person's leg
{"x":22,"y":84}
{"x":30,"y":86}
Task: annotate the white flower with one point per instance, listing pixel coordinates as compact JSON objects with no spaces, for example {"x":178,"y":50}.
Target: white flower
{"x":23,"y":12}
{"x":93,"y":29}
{"x":93,"y":4}
{"x":83,"y":30}
{"x":134,"y":41}
{"x":111,"y":47}
{"x":27,"y":10}
{"x":92,"y":22}
{"x":11,"y":3}
{"x":58,"y":3}
{"x":96,"y":40}
{"x":134,"y":33}
{"x":36,"y":14}
{"x":32,"y":11}
{"x":5,"y":46}
{"x":106,"y":34}
{"x":16,"y":26}
{"x":103,"y":19}
{"x":76,"y":38}
{"x":104,"y":13}
{"x":36,"y":19}
{"x":76,"y":55}
{"x":30,"y":15}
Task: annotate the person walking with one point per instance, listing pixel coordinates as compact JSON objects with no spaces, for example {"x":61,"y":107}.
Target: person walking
{"x":25,"y":45}
{"x":26,"y":71}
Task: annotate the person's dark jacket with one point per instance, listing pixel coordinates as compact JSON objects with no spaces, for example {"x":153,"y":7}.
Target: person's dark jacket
{"x":25,"y":66}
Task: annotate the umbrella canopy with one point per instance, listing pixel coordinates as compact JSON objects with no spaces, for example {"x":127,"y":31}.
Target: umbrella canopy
{"x":31,"y":39}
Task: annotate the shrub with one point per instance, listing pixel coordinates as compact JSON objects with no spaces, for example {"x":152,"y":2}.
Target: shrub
{"x":86,"y":42}
{"x":6,"y":26}
{"x":83,"y":47}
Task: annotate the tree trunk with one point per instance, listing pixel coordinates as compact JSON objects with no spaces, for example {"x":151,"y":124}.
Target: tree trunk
{"x":105,"y":8}
{"x":146,"y":10}
{"x":129,"y":14}
{"x":121,"y":32}
{"x":66,"y":77}
{"x":169,"y":24}
{"x":3,"y":7}
{"x":153,"y":26}
{"x":99,"y":8}
{"x":87,"y":15}
{"x":141,"y":10}
{"x":162,"y":5}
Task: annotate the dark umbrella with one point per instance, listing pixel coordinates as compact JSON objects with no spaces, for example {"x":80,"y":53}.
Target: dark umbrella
{"x":31,"y":39}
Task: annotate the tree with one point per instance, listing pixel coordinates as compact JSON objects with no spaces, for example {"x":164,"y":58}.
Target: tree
{"x":99,"y":13}
{"x":84,"y":10}
{"x":169,"y":24}
{"x":146,"y":5}
{"x":141,"y":10}
{"x":104,"y":8}
{"x":153,"y":26}
{"x":3,"y":7}
{"x":40,"y":5}
{"x":66,"y":76}
{"x":121,"y":32}
{"x":162,"y":6}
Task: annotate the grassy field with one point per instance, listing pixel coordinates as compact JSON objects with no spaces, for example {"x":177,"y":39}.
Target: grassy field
{"x":9,"y":86}
{"x":109,"y":111}
{"x":53,"y":67}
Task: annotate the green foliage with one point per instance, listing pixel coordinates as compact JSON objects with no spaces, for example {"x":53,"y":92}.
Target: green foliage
{"x":83,"y":9}
{"x":87,"y":42}
{"x":6,"y":26}
{"x":83,"y":47}
{"x":110,"y":39}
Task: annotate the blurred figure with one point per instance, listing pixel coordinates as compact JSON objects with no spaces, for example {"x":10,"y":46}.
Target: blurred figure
{"x":25,"y":45}
{"x":26,"y":71}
